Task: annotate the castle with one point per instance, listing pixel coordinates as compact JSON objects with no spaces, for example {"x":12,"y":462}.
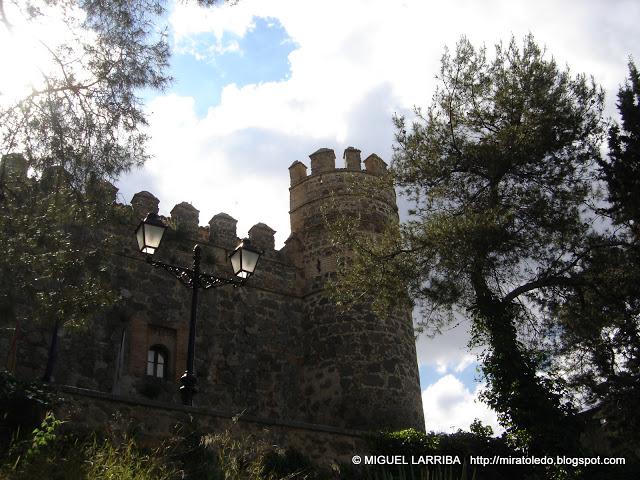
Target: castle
{"x":277,"y":348}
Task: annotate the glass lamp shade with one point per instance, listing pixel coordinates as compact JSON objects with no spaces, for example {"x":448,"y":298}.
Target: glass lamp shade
{"x":244,"y":259}
{"x":149,"y":233}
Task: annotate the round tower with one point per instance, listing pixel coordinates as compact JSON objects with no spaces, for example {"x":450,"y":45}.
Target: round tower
{"x":361,"y":371}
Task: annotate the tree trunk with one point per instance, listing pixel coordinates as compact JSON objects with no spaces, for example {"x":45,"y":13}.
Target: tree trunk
{"x":53,"y":353}
{"x":515,"y":390}
{"x":12,"y":356}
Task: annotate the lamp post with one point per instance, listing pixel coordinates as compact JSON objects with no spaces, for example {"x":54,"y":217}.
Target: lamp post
{"x":243,"y":261}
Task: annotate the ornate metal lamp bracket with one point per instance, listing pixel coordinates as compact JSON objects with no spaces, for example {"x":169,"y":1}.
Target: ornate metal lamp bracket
{"x":186,"y":276}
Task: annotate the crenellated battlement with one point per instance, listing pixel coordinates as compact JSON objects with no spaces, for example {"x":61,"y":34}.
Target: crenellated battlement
{"x":327,"y":184}
{"x":323,"y":161}
{"x":221,"y":229}
{"x":324,"y":180}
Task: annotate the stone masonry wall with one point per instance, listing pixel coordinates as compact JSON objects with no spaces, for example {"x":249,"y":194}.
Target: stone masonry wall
{"x":275,"y":349}
{"x":360,"y":370}
{"x":153,"y":421}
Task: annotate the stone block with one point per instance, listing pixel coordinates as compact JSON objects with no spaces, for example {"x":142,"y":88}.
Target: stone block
{"x":375,"y":165}
{"x":222,"y":230}
{"x":297,"y":172}
{"x":186,"y":217}
{"x":322,"y":160}
{"x":262,"y":236}
{"x":351,"y":158}
{"x":143,"y":203}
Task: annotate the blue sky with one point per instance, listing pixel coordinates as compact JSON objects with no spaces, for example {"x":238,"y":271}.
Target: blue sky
{"x":201,"y":71}
{"x":263,"y":83}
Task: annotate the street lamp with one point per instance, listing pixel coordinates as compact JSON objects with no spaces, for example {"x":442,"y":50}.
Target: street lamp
{"x":149,"y":233}
{"x":243,"y":261}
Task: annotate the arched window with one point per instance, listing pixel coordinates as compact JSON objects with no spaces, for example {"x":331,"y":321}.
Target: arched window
{"x":157,"y":361}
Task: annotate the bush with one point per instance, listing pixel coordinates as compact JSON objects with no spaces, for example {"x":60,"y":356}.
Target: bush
{"x":23,"y":405}
{"x":288,"y":463}
{"x":411,"y":443}
{"x":125,"y":462}
{"x":46,"y":453}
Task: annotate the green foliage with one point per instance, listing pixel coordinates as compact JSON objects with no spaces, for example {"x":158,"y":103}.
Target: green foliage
{"x":86,"y":112}
{"x":39,"y":453}
{"x":233,"y":454}
{"x":22,"y":406}
{"x":15,"y":391}
{"x":439,"y":473}
{"x":405,"y":442}
{"x":367,"y":260}
{"x":48,"y":453}
{"x":85,"y":117}
{"x":622,"y":170}
{"x":411,"y":443}
{"x":499,"y":171}
{"x":127,"y":462}
{"x":241,"y":457}
{"x":52,"y":272}
{"x":43,"y":436}
{"x":287,"y":463}
{"x":598,"y":338}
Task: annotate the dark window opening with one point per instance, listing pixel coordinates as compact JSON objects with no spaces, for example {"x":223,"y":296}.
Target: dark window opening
{"x":157,"y":361}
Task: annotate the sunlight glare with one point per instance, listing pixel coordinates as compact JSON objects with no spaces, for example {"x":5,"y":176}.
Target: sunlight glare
{"x":24,"y":49}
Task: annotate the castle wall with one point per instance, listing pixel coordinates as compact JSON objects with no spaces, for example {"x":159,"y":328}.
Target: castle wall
{"x":154,"y":421}
{"x":248,"y":357}
{"x":244,"y":357}
{"x":275,"y":348}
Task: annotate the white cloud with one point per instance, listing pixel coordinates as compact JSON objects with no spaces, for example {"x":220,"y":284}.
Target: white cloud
{"x":447,"y":351}
{"x":466,"y":361}
{"x":354,"y":65}
{"x":191,"y":163}
{"x":202,"y":51}
{"x":449,"y":405}
{"x":187,"y":19}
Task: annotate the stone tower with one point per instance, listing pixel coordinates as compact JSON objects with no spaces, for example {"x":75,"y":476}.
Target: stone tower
{"x":361,"y":370}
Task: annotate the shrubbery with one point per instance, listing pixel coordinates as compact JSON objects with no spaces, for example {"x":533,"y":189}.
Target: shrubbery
{"x":23,"y":405}
{"x":411,"y":443}
{"x":48,"y":454}
{"x":35,"y":444}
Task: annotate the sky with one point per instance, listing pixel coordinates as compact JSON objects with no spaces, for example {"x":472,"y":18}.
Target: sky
{"x":263,"y":83}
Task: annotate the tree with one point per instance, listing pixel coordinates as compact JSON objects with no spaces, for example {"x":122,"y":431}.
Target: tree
{"x":82,"y":123}
{"x":86,"y":114}
{"x":622,"y":171}
{"x":499,"y":171}
{"x":599,"y":343}
{"x":54,"y":250}
{"x":79,"y":126}
{"x":600,"y":319}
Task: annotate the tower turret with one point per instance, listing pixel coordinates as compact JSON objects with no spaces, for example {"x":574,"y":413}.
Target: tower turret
{"x":361,"y":370}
